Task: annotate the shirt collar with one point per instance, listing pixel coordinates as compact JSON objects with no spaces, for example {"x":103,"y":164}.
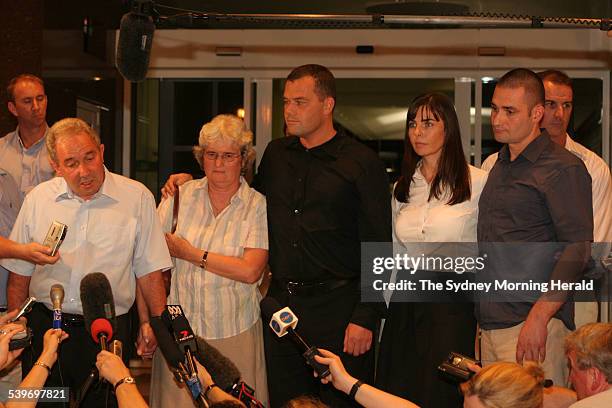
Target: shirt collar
{"x":533,"y":150}
{"x":241,"y":195}
{"x":573,"y":147}
{"x":332,"y":148}
{"x":36,"y":145}
{"x":109,"y":189}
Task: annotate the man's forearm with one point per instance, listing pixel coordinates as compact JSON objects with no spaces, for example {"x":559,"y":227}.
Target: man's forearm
{"x":141,"y":305}
{"x":17,"y":290}
{"x":153,"y":292}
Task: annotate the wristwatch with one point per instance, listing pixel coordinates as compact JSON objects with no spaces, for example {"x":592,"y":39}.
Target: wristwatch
{"x":126,"y":380}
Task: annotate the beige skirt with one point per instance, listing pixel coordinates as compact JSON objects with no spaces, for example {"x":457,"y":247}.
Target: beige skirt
{"x":246,"y":350}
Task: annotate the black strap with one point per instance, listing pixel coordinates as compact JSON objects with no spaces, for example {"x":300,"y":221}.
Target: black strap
{"x":175,"y":210}
{"x":354,"y":389}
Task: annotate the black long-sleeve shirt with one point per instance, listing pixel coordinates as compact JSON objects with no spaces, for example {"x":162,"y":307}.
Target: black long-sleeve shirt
{"x":322,"y":204}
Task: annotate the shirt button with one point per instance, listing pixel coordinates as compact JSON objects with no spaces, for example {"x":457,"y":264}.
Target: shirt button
{"x":300,"y":179}
{"x":296,"y":211}
{"x":294,"y":245}
{"x":423,"y":232}
{"x":72,"y":300}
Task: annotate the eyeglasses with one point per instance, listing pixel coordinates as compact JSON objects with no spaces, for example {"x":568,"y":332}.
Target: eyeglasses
{"x":225,"y":157}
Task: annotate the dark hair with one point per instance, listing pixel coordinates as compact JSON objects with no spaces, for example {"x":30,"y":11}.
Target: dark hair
{"x":526,"y":79}
{"x":10,"y":88}
{"x":325,"y":83}
{"x":453,"y":173}
{"x":556,"y":77}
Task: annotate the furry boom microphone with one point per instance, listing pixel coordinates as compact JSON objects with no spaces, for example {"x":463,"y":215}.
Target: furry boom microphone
{"x":135,"y":39}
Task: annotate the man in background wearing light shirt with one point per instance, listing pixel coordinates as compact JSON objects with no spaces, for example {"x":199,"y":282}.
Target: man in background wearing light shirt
{"x":22,"y":152}
{"x":112,"y":228}
{"x":559,"y":94}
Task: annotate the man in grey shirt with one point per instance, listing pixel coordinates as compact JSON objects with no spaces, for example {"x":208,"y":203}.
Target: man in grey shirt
{"x":537,"y":193}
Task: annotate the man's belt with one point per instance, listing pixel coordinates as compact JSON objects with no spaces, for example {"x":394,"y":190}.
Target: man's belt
{"x":68,"y":319}
{"x":313,"y":288}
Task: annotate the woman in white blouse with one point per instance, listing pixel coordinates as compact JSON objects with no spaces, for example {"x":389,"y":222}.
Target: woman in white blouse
{"x":435,"y":200}
{"x":220,"y":249}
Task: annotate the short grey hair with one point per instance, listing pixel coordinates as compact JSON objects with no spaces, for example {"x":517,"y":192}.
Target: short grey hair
{"x":227,"y":128}
{"x":67,"y":128}
{"x":592,"y":344}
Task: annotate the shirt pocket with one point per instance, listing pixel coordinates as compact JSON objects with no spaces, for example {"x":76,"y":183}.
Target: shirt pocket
{"x":113,"y":242}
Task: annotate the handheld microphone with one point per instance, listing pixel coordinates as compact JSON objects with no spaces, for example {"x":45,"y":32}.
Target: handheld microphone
{"x":102,"y":332}
{"x":135,"y":40}
{"x":222,"y":370}
{"x":170,"y":350}
{"x":57,"y":298}
{"x":283,"y":321}
{"x":98,"y":305}
{"x":185,"y":339}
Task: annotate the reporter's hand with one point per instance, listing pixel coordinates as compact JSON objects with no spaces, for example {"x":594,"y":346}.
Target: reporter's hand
{"x":8,"y":316}
{"x":146,"y":342}
{"x":174,"y":181}
{"x":51,"y":342}
{"x":339,"y":377}
{"x":111,"y":367}
{"x":37,"y":254}
{"x":7,"y":332}
{"x":203,"y":375}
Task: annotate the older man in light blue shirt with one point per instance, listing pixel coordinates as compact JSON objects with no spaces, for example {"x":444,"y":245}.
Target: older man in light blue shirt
{"x":112,"y":228}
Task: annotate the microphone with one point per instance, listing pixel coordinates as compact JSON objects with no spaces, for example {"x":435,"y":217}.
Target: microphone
{"x":102,"y":332}
{"x":178,"y":349}
{"x":57,"y":298}
{"x":166,"y":344}
{"x":222,"y":370}
{"x":98,"y":307}
{"x":135,"y":40}
{"x":283,"y":321}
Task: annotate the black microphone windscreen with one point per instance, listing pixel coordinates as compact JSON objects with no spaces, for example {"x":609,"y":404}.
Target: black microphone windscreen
{"x":97,"y":299}
{"x":134,"y":46}
{"x":269,"y":306}
{"x":183,"y":333}
{"x":166,"y":343}
{"x":222,"y":370}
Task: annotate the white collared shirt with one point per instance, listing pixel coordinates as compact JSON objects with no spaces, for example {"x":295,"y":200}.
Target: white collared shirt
{"x":29,"y":167}
{"x":421,"y":220}
{"x":116,"y":232}
{"x":216,"y":307}
{"x":10,"y":202}
{"x":601,"y":186}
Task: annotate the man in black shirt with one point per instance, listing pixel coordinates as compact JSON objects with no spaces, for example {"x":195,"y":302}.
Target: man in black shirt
{"x":540,"y":193}
{"x":326,"y":193}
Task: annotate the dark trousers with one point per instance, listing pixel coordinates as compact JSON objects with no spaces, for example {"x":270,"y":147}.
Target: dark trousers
{"x":322,"y":322}
{"x":77,"y":357}
{"x":416,"y":338}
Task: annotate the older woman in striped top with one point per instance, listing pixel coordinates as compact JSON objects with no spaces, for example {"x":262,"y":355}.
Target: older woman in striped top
{"x":220,"y":249}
